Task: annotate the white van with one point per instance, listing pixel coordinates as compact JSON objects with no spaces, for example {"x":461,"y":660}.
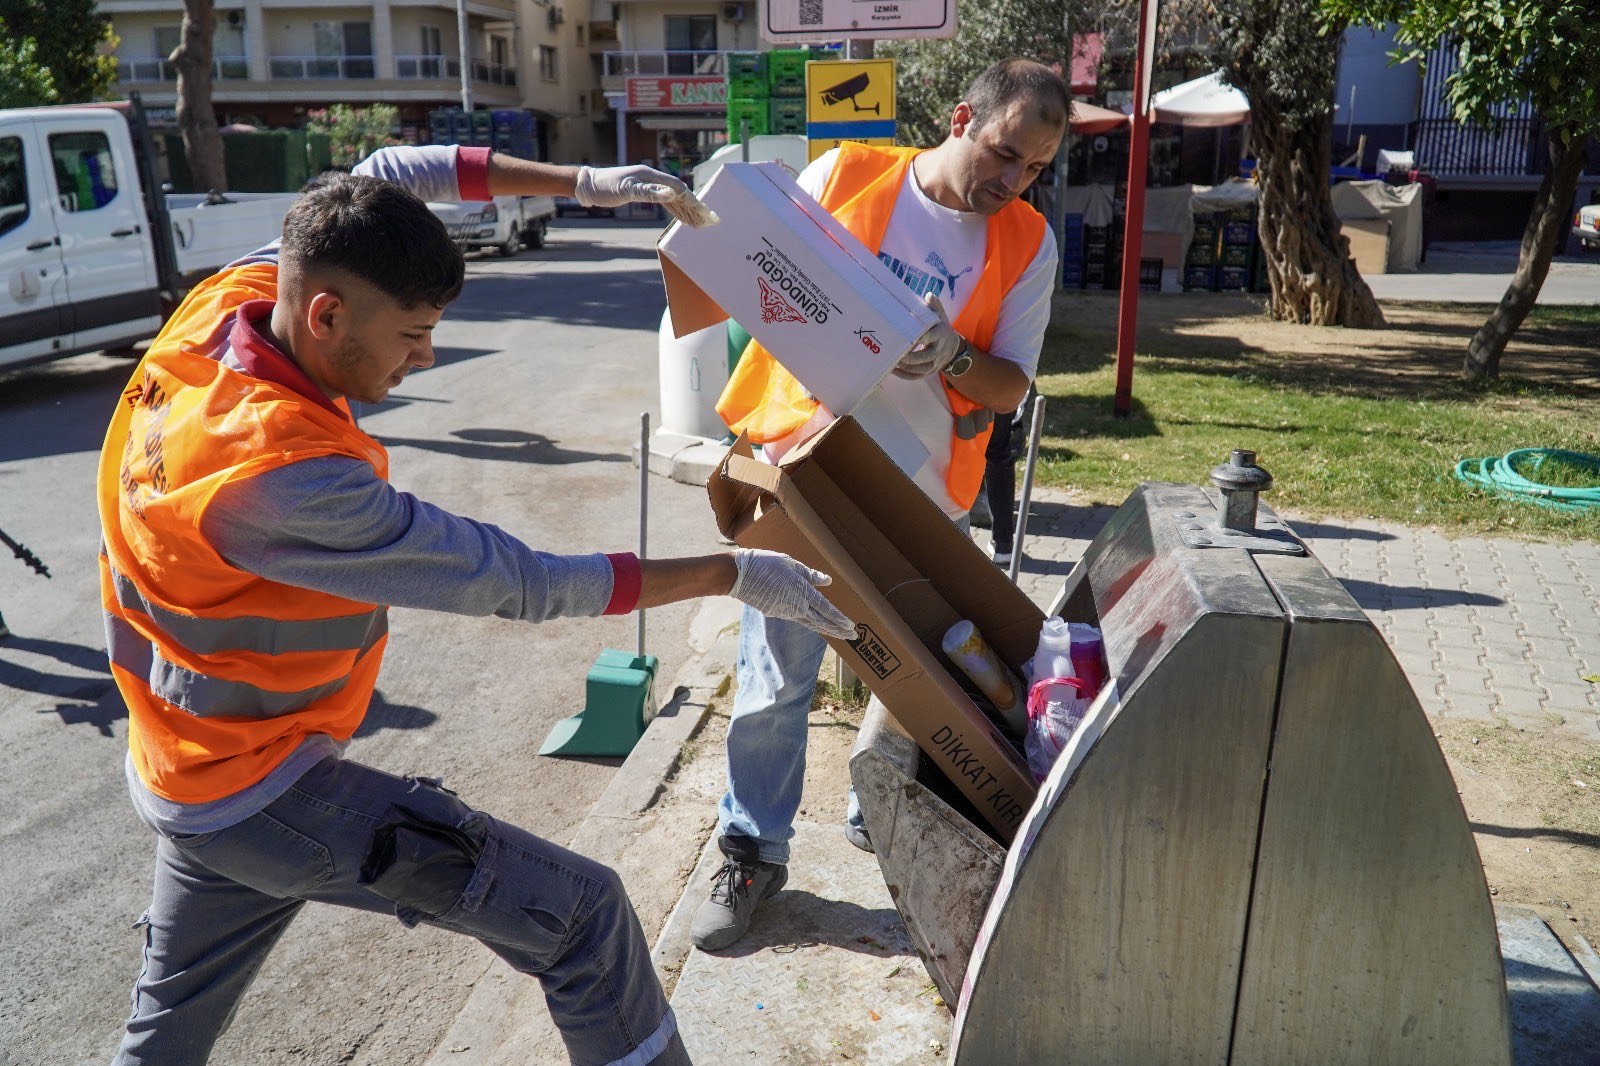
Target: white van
{"x":92,"y":254}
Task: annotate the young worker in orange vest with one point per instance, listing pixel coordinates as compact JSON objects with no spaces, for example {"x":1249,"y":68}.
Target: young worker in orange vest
{"x":252,"y":547}
{"x":950,"y":223}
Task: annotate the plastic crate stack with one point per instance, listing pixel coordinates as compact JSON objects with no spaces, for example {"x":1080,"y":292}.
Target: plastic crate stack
{"x":748,"y":95}
{"x":510,"y":132}
{"x":1236,"y":261}
{"x":768,"y":90}
{"x":1072,"y":252}
{"x":1200,"y":267}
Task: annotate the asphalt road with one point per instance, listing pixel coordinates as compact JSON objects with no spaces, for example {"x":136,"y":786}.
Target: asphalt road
{"x":527,"y":421}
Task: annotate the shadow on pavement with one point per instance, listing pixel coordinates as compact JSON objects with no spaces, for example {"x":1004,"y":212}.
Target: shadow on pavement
{"x":1321,"y":531}
{"x":381,"y":715}
{"x":1570,"y":836}
{"x":1373,"y":595}
{"x":505,"y":445}
{"x":846,"y":926}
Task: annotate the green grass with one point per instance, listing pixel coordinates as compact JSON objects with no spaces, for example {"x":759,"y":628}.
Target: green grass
{"x":1358,"y":433}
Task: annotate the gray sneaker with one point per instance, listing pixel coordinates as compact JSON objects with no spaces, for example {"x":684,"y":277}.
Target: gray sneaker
{"x":736,"y":890}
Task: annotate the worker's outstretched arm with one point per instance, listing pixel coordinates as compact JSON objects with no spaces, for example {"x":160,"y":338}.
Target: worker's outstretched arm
{"x":771,"y":582}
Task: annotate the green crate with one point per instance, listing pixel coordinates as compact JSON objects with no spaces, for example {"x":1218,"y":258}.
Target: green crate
{"x":786,"y":71}
{"x":754,"y":63}
{"x":788,"y":112}
{"x":747,"y":86}
{"x":1237,"y":255}
{"x":755,"y":111}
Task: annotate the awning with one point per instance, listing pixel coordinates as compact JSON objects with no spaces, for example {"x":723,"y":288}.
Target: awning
{"x":1204,"y":102}
{"x":1089,"y":119}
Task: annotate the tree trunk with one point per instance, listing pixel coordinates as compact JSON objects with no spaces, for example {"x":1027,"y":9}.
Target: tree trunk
{"x":196,"y":117}
{"x":1546,"y":229}
{"x":1313,"y":278}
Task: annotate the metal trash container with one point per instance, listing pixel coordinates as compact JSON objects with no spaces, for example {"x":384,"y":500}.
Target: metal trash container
{"x":1252,"y":852}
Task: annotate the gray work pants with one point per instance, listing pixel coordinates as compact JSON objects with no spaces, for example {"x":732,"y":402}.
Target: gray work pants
{"x":223,"y":899}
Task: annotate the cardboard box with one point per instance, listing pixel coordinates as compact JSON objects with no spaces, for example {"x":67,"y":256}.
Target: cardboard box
{"x":904,"y":574}
{"x":812,"y":294}
{"x":1369,"y":244}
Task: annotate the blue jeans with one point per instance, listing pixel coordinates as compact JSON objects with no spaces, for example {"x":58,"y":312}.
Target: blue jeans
{"x":223,"y":899}
{"x":777,"y":675}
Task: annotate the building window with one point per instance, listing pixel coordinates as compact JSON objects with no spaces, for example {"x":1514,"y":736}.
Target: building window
{"x":343,"y":49}
{"x":430,"y":60}
{"x":547,"y":63}
{"x":691,"y":37}
{"x":583,"y":104}
{"x":166,"y":39}
{"x":580,"y":32}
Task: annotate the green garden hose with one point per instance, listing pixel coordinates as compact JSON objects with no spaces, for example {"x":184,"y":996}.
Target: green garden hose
{"x":1511,"y":476}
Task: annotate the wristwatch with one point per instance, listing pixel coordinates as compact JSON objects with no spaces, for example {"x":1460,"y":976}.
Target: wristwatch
{"x":961,"y":363}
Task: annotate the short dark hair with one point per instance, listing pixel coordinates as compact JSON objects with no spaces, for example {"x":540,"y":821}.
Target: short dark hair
{"x":377,"y":231}
{"x":1009,"y":80}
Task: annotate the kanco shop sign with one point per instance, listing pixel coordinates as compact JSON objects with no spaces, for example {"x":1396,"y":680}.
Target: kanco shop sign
{"x":677,"y":94}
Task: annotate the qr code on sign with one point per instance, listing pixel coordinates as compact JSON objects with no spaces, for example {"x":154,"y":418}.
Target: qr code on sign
{"x":810,"y":12}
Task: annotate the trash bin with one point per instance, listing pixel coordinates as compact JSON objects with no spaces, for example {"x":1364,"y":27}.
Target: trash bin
{"x":694,"y":369}
{"x":1251,"y":852}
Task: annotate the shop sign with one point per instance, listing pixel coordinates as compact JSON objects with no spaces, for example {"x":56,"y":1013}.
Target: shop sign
{"x":677,"y":94}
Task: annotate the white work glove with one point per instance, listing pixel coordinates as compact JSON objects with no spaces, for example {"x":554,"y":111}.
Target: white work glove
{"x":616,"y":186}
{"x":781,"y":587}
{"x":934,"y":350}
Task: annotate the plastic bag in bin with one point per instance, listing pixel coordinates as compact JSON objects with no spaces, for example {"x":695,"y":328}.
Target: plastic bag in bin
{"x":1056,"y":706}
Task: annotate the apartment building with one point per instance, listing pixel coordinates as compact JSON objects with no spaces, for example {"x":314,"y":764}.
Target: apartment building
{"x":1485,"y":178}
{"x":274,"y":60}
{"x":661,"y":66}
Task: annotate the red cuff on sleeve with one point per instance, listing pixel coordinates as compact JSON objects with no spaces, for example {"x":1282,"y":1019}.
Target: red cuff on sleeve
{"x":472,"y":173}
{"x":626,"y":577}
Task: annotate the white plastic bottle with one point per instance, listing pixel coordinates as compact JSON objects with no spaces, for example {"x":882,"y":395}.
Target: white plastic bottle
{"x":1054,"y":655}
{"x":966,"y":648}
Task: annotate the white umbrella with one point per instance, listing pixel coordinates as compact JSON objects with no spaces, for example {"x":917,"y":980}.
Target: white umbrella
{"x":1203,"y":103}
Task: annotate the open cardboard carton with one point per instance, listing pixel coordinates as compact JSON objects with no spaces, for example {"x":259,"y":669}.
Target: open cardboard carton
{"x":788,"y":272}
{"x":904,"y":574}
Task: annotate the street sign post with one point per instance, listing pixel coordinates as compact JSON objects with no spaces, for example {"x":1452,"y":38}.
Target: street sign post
{"x":849,"y":100}
{"x":784,"y":21}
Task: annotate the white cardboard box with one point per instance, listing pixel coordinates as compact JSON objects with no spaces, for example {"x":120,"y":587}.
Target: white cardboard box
{"x":786,"y":270}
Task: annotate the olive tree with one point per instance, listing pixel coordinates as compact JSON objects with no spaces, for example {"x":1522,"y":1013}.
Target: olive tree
{"x":197,"y":119}
{"x":1284,"y":56}
{"x":1541,"y":51}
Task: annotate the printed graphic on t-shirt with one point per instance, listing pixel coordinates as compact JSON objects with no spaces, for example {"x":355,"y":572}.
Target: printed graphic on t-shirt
{"x":937,"y":263}
{"x":922,"y":282}
{"x":917,"y":280}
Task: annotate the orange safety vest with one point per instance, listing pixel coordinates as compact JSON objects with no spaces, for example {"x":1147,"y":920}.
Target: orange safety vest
{"x":224,"y":673}
{"x":765,"y":400}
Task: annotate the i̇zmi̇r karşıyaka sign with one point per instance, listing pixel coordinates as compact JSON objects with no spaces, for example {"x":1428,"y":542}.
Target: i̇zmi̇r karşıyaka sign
{"x":829,"y":20}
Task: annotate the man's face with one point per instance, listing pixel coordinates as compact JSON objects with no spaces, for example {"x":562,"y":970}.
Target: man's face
{"x":369,"y":342}
{"x":1001,"y":158}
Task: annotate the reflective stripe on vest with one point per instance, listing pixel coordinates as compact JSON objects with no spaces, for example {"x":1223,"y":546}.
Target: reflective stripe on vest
{"x":766,"y":401}
{"x":265,"y":636}
{"x":210,"y":697}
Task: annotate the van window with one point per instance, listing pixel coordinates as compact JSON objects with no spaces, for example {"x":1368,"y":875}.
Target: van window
{"x":13,"y":184}
{"x":86,"y":180}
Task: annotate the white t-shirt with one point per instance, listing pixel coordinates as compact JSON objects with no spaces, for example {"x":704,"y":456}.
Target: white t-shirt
{"x":939,"y":250}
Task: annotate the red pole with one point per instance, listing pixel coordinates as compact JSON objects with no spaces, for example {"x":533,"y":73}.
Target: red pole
{"x":1133,"y":219}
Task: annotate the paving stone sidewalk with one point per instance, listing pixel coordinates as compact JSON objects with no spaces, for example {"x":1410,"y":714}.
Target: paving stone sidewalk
{"x":1484,"y":628}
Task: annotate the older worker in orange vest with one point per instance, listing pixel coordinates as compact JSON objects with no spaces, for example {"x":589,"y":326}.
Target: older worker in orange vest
{"x":252,"y":546}
{"x":949,"y":221}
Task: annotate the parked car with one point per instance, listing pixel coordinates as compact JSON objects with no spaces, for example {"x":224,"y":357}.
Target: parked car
{"x":93,"y":254}
{"x":505,"y":223}
{"x":566,"y":205}
{"x":1586,"y":226}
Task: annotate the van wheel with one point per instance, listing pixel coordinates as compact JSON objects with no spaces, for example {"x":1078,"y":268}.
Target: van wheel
{"x":535,"y":234}
{"x":512,"y":245}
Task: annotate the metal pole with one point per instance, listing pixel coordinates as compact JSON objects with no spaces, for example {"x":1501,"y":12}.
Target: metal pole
{"x":1133,"y":221}
{"x":466,"y":57}
{"x":644,"y":501}
{"x":1027,"y":488}
{"x":744,"y":140}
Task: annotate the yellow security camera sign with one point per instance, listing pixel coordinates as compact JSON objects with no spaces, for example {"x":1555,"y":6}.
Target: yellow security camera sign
{"x":849,"y":100}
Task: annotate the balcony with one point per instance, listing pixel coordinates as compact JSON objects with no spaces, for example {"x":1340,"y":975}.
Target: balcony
{"x":297,"y":68}
{"x":617,"y":66}
{"x":223,"y":68}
